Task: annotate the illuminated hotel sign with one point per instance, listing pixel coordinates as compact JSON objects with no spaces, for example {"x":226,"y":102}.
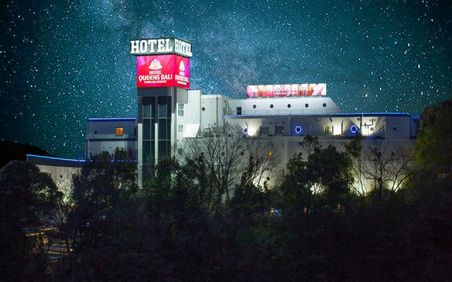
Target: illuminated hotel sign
{"x":163,"y":71}
{"x":162,"y":62}
{"x":160,"y":46}
{"x":286,"y":90}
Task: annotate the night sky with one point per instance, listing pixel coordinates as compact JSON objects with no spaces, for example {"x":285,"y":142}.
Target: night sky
{"x":65,"y":61}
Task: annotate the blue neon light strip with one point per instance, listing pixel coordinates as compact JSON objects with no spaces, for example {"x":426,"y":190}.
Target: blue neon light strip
{"x":112,"y":119}
{"x":73,"y":160}
{"x":54,"y":158}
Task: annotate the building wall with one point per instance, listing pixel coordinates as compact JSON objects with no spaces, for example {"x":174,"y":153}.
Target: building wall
{"x":212,"y":110}
{"x":284,"y":106}
{"x":101,"y":136}
{"x":387,"y":127}
{"x":61,"y":175}
{"x":188,"y":123}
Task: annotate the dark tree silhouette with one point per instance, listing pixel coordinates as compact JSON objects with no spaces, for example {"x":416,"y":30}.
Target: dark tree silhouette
{"x":27,"y":196}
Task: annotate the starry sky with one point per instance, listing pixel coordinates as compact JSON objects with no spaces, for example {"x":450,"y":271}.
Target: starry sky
{"x":65,"y":61}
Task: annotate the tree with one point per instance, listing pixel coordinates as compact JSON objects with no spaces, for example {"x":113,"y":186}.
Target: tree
{"x":100,"y":190}
{"x":386,"y":168}
{"x":27,"y":196}
{"x":251,"y":198}
{"x":433,"y":149}
{"x":221,"y":155}
{"x":325,"y":176}
{"x":330,"y":171}
{"x":295,"y":190}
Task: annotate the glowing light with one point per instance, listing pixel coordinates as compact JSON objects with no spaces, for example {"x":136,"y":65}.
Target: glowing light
{"x":251,"y":131}
{"x":337,"y":130}
{"x":298,"y":130}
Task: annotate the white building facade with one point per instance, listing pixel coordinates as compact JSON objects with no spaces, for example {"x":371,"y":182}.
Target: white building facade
{"x":169,"y":113}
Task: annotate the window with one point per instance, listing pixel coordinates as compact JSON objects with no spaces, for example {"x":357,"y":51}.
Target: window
{"x":164,"y":150}
{"x":254,"y":106}
{"x":239,"y":111}
{"x":180,"y":127}
{"x":289,"y":105}
{"x":180,"y":110}
{"x":394,"y":128}
{"x":203,"y":109}
{"x":324,"y":105}
{"x":163,"y":110}
{"x":164,"y":129}
{"x":298,"y":130}
{"x":146,"y":111}
{"x":271,"y":106}
{"x":306,"y":105}
{"x":119,"y":131}
{"x":328,"y":129}
{"x":148,"y":128}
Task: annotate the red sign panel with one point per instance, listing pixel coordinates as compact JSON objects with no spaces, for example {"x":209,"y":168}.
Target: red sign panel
{"x":286,"y":90}
{"x":163,"y":71}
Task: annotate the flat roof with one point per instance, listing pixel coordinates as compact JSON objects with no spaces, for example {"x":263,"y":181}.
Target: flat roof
{"x":397,"y":114}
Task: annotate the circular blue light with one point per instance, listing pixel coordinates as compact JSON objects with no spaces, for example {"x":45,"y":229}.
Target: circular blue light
{"x":298,"y":130}
{"x":354,"y":129}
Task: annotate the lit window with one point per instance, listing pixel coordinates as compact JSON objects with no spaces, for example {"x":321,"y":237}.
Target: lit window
{"x":119,"y":131}
{"x":180,"y":110}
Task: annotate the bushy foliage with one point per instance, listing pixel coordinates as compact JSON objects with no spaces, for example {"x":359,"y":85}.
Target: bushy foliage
{"x":433,"y":144}
{"x":27,"y":196}
{"x":310,"y":227}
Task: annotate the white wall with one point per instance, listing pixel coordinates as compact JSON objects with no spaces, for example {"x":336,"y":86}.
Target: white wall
{"x":61,"y":176}
{"x":284,"y":106}
{"x":191,"y":119}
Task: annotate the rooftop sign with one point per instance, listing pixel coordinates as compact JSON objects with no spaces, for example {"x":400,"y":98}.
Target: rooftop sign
{"x":159,"y":46}
{"x":286,"y":90}
{"x":163,"y":71}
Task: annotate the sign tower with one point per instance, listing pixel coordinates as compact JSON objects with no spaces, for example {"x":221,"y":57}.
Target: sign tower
{"x":162,"y":78}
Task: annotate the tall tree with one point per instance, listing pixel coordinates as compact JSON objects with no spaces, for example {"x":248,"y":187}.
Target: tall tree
{"x":222,"y":149}
{"x":386,"y":168}
{"x":27,"y":196}
{"x":100,"y":190}
{"x":433,"y":149}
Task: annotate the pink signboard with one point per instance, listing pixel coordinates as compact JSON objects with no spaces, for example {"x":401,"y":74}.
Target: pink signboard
{"x":163,"y":71}
{"x":286,"y":90}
